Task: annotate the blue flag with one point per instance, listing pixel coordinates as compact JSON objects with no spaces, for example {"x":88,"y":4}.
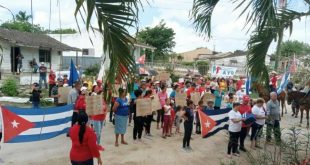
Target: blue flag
{"x":248,"y":85}
{"x":74,"y":75}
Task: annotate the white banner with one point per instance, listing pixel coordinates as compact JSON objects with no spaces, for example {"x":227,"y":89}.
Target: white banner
{"x":223,"y":71}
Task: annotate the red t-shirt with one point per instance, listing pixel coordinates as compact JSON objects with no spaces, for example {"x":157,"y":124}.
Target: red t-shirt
{"x":51,"y":79}
{"x":245,"y":109}
{"x":80,"y":103}
{"x":189,"y":91}
{"x":88,"y":149}
{"x":201,"y":89}
{"x":274,"y":81}
{"x":239,"y":84}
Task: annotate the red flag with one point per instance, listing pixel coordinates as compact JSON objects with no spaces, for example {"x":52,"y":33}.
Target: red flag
{"x":13,"y":124}
{"x":206,"y":122}
{"x":141,"y":60}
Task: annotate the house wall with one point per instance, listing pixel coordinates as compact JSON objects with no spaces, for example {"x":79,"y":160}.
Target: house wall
{"x":29,"y":54}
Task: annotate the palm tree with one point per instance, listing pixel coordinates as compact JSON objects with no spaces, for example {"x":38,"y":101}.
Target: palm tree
{"x":113,"y":19}
{"x":22,"y":16}
{"x":264,"y":16}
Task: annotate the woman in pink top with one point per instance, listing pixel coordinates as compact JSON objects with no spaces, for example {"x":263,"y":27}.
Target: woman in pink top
{"x":162,"y":98}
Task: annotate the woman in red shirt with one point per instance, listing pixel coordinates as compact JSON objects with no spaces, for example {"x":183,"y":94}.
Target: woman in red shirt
{"x":84,"y":147}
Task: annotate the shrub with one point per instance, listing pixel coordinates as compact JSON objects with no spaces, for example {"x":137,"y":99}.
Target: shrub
{"x":92,"y":70}
{"x":9,"y":88}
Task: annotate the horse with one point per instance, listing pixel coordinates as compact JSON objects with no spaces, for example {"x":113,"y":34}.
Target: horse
{"x":303,"y":101}
{"x":264,"y":93}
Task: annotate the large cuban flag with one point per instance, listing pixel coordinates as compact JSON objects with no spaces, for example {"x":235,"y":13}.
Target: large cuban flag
{"x":27,"y":124}
{"x":213,"y":121}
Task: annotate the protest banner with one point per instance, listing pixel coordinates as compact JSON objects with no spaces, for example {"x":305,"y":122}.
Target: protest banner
{"x":207,"y":97}
{"x":223,"y":71}
{"x":155,"y":103}
{"x":63,"y":92}
{"x":94,"y":105}
{"x":180,"y":99}
{"x":195,"y":97}
{"x":143,"y":107}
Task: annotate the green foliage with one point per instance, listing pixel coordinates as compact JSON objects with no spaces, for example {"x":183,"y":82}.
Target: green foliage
{"x":9,"y":88}
{"x":63,"y":31}
{"x":22,"y":26}
{"x":22,"y":16}
{"x":203,"y":67}
{"x":161,"y":37}
{"x":92,"y":70}
{"x":289,"y":48}
{"x":188,"y":63}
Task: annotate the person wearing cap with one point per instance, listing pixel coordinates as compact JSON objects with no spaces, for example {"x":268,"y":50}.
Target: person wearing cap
{"x":42,"y":71}
{"x":51,"y":82}
{"x":80,"y":103}
{"x":54,"y":92}
{"x":121,"y":110}
{"x":234,"y":128}
{"x":65,"y":79}
{"x":273,"y":81}
{"x":245,"y":109}
{"x":35,"y":95}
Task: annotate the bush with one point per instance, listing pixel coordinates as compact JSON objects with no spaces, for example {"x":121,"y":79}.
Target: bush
{"x":46,"y":103}
{"x":9,"y":88}
{"x":92,"y":70}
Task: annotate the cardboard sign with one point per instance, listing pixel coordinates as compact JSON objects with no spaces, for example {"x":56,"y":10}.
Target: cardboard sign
{"x":207,"y":97}
{"x":94,"y":105}
{"x":143,"y":107}
{"x":162,"y":76}
{"x":155,"y":103}
{"x":63,"y":92}
{"x":115,"y":90}
{"x":195,"y":97}
{"x":180,"y":99}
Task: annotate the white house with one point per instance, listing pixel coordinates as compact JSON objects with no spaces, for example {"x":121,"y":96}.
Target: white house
{"x":91,"y":44}
{"x":31,"y":46}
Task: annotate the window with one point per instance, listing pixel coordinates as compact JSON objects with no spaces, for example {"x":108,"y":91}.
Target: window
{"x":44,"y":56}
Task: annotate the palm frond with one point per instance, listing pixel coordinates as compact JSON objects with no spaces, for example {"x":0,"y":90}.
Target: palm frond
{"x":201,"y":14}
{"x":260,"y":13}
{"x":113,"y":19}
{"x":1,"y":6}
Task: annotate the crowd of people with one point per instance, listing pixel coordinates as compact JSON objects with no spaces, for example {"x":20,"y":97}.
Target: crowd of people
{"x":86,"y":131}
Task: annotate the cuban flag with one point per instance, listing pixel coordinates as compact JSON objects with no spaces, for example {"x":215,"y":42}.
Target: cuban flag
{"x":28,"y":125}
{"x":285,"y":79}
{"x":248,"y":85}
{"x":213,"y":121}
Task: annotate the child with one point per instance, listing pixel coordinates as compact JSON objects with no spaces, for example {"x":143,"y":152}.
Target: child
{"x":149,"y":117}
{"x":188,"y":116}
{"x":138,"y":120}
{"x":172,"y":117}
{"x":35,"y":95}
{"x":178,"y":119}
{"x":199,"y":108}
{"x":167,"y":119}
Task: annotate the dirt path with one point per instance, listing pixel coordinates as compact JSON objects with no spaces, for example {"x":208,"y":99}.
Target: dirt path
{"x":152,"y":152}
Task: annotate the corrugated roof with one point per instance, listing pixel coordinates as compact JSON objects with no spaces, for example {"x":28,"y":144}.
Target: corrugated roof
{"x":33,"y":40}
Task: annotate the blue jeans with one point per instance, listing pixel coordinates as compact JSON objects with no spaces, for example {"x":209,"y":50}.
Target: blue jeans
{"x":43,"y":78}
{"x":98,"y":129}
{"x":35,"y":104}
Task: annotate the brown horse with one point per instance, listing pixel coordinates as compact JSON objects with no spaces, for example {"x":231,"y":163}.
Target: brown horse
{"x":264,"y":93}
{"x":301,"y":100}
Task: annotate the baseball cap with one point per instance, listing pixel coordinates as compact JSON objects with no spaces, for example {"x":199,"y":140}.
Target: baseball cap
{"x":246,"y":98}
{"x":42,"y":63}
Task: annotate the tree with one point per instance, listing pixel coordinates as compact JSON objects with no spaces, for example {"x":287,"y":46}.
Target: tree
{"x":22,"y":16}
{"x":180,"y":58}
{"x":63,"y":31}
{"x":161,"y":37}
{"x":290,"y":48}
{"x":22,"y":26}
{"x":113,"y":20}
{"x":203,"y":67}
{"x":264,"y":20}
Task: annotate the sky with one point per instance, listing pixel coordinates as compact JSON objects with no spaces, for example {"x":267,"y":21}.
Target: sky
{"x":227,"y":29}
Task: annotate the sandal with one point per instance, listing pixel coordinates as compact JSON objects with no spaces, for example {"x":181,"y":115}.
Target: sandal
{"x":235,"y":154}
{"x":125,"y":143}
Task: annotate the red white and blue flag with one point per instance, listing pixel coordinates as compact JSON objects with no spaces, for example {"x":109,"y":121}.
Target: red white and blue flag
{"x":28,"y":125}
{"x":213,"y":121}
